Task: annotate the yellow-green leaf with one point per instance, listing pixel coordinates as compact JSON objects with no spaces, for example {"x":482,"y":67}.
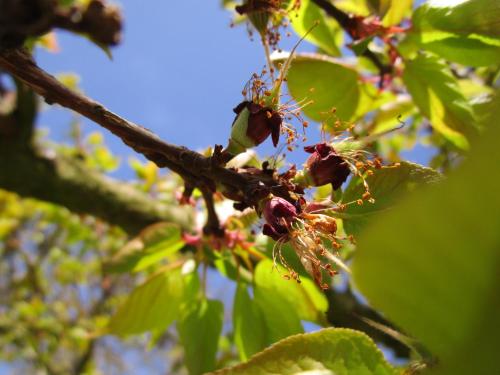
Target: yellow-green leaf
{"x":325,"y":34}
{"x":199,"y":330}
{"x":431,"y":265}
{"x":332,"y":351}
{"x":436,"y":93}
{"x":153,"y":305}
{"x":327,"y":83}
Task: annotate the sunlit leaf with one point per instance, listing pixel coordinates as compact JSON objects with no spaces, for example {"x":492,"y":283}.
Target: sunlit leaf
{"x":305,"y":298}
{"x":280,"y":317}
{"x":248,"y":322}
{"x":324,"y":35}
{"x":387,"y":186}
{"x":153,"y":305}
{"x":431,"y":265}
{"x":436,"y":93}
{"x":327,"y":83}
{"x":152,"y":245}
{"x":396,"y":11}
{"x":199,"y":330}
{"x":465,"y":50}
{"x":460,"y":17}
{"x":329,"y":351}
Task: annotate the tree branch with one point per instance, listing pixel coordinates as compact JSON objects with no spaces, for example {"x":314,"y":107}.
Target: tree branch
{"x":66,"y":181}
{"x":189,"y":164}
{"x":345,"y":310}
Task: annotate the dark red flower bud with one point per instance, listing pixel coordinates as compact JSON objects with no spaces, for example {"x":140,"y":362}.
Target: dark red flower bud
{"x":252,"y":126}
{"x":326,"y":166}
{"x":279,"y":214}
{"x":259,"y":12}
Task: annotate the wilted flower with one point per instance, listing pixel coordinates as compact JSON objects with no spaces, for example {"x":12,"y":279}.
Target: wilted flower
{"x":253,"y":124}
{"x":324,"y":166}
{"x":259,"y":12}
{"x":279,"y":215}
{"x":305,"y":232}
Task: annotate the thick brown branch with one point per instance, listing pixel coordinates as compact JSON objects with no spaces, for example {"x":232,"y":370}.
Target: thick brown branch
{"x":68,"y":182}
{"x":187,"y":163}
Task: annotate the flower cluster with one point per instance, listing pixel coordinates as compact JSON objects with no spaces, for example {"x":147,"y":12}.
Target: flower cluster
{"x":306,"y":232}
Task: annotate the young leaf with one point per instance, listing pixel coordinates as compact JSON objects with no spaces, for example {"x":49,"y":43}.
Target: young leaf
{"x":324,"y":35}
{"x":336,"y":351}
{"x":387,"y":186}
{"x":153,"y":305}
{"x":466,"y":17}
{"x":248,"y":323}
{"x":438,"y":97}
{"x":280,"y":317}
{"x":305,"y":298}
{"x":199,"y":329}
{"x":465,"y":50}
{"x":153,"y":244}
{"x":326,"y":82}
{"x":431,"y":265}
{"x":397,"y":10}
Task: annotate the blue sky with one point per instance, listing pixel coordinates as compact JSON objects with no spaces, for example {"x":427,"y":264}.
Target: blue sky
{"x":179,"y":72}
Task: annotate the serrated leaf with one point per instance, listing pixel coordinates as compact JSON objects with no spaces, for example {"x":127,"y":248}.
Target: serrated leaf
{"x":153,"y":305}
{"x":326,"y":82}
{"x":248,"y":322}
{"x":469,"y":17}
{"x":437,"y":95}
{"x":152,"y":245}
{"x":305,"y":298}
{"x":325,"y":35}
{"x":387,"y":186}
{"x":431,"y":265}
{"x":464,"y":50}
{"x":332,"y":351}
{"x":199,"y":329}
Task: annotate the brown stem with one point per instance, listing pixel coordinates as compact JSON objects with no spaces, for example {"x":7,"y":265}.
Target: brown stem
{"x":213,"y":224}
{"x":189,"y":164}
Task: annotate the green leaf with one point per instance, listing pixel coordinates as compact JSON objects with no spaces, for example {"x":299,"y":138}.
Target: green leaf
{"x":328,"y":83}
{"x":325,"y":35}
{"x":436,"y":94}
{"x":431,"y":265}
{"x":153,"y":305}
{"x":279,"y":315}
{"x":469,"y":17}
{"x":397,"y":10}
{"x":153,"y":244}
{"x":465,"y":51}
{"x":332,"y":351}
{"x":390,"y":115}
{"x":387,"y":186}
{"x":248,"y":323}
{"x":305,"y":298}
{"x":199,"y":329}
